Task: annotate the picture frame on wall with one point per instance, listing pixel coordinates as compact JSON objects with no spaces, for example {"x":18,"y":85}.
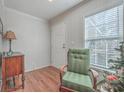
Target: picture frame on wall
{"x":1,"y":27}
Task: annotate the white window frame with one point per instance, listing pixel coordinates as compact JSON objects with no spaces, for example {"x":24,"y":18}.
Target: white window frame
{"x":106,"y":45}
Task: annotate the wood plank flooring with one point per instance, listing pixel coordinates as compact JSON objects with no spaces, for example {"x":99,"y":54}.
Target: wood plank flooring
{"x":42,"y":80}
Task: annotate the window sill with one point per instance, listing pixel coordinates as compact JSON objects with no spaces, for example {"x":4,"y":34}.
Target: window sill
{"x":103,"y":69}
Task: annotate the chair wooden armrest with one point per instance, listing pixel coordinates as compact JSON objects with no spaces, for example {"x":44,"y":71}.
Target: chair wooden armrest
{"x":95,"y":76}
{"x":62,"y":72}
{"x":63,"y":68}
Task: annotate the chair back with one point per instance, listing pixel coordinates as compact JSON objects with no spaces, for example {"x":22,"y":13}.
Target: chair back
{"x":78,"y":61}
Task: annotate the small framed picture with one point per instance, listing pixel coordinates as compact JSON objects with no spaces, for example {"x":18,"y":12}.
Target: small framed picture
{"x":1,"y":27}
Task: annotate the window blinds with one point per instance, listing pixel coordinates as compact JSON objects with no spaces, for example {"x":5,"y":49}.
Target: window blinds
{"x":103,"y":32}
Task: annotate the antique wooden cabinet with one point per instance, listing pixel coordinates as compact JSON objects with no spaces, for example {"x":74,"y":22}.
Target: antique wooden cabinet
{"x":12,"y":68}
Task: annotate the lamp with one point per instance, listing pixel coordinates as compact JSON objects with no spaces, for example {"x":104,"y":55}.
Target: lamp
{"x":10,"y":36}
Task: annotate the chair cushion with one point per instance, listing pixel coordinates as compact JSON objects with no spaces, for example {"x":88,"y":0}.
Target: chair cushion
{"x":78,"y":61}
{"x":77,"y":82}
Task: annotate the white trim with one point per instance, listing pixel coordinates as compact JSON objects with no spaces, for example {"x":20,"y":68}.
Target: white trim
{"x":25,"y":14}
{"x":103,"y":69}
{"x":30,"y":70}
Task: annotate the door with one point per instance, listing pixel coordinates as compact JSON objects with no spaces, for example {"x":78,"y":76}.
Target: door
{"x":59,"y":49}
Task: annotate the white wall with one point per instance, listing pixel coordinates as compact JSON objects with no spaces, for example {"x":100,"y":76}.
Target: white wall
{"x":33,"y":38}
{"x":74,"y":20}
{"x":0,"y":35}
{"x":1,"y":16}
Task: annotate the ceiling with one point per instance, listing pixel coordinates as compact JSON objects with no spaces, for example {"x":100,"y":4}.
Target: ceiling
{"x":42,"y":8}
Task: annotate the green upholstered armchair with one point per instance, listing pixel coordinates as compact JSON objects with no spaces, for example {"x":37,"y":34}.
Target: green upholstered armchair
{"x":78,"y":76}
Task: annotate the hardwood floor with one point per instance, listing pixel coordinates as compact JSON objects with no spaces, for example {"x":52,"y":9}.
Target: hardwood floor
{"x":42,"y":80}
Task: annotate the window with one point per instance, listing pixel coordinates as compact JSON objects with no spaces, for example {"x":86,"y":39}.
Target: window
{"x":103,"y":32}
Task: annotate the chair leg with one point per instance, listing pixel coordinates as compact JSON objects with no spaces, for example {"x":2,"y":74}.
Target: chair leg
{"x":23,"y":78}
{"x":4,"y":85}
{"x":95,"y":87}
{"x":60,"y":89}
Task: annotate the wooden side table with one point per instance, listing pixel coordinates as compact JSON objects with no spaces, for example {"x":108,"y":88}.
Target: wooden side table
{"x":12,"y":66}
